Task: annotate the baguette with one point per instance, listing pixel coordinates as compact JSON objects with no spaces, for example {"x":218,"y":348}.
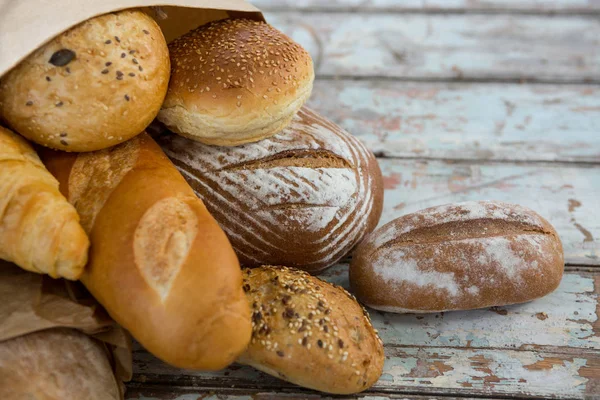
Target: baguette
{"x":39,"y":229}
{"x":159,"y":263}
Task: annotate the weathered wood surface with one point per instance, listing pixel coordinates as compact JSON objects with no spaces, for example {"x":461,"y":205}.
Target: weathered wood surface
{"x":468,"y":47}
{"x":537,"y":6}
{"x":568,"y":195}
{"x":549,"y":347}
{"x":466,"y":120}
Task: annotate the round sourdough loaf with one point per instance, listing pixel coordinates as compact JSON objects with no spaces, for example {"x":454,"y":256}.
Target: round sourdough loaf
{"x":310,"y":332}
{"x":57,"y":363}
{"x":92,"y":87}
{"x":235,"y":81}
{"x":303,"y":198}
{"x":458,"y":257}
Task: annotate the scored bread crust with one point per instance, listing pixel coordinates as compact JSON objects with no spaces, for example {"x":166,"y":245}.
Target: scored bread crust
{"x":302,"y":198}
{"x":159,"y":264}
{"x":310,"y":332}
{"x":55,"y":364}
{"x":235,"y":81}
{"x":92,"y":87}
{"x":457,"y":257}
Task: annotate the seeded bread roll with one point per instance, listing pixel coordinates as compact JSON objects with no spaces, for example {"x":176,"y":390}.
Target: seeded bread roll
{"x":56,"y":364}
{"x":235,"y":81}
{"x":302,"y":198}
{"x":458,"y":257}
{"x":310,"y":332}
{"x":94,"y":86}
{"x":159,"y":263}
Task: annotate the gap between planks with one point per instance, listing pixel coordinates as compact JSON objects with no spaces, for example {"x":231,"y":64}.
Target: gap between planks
{"x":511,"y":80}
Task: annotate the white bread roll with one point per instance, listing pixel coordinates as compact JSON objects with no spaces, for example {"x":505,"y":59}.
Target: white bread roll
{"x":235,"y":81}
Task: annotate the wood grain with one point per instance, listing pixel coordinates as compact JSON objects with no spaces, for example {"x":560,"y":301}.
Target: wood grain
{"x":565,"y":194}
{"x":550,"y":349}
{"x":465,"y":120}
{"x":537,"y":6}
{"x":457,"y":47}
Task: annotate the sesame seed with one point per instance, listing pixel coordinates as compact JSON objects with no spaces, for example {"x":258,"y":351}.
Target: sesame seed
{"x":63,"y":134}
{"x":48,"y":79}
{"x":64,"y":142}
{"x":127,"y":97}
{"x":145,"y":31}
{"x":123,"y":55}
{"x":135,"y":61}
{"x":131,"y":51}
{"x":59,"y":104}
{"x":108,"y":41}
{"x":117,"y":39}
{"x":131,"y":74}
{"x":104,"y":71}
{"x":29,"y":103}
{"x":280,"y":353}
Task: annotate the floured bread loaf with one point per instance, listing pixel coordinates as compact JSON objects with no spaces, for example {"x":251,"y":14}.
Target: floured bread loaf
{"x":56,"y":364}
{"x":159,"y":263}
{"x":310,"y":332}
{"x":458,"y":257}
{"x":302,"y":198}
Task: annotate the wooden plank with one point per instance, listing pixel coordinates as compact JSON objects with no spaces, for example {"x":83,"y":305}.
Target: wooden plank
{"x":573,"y":6}
{"x":565,"y":194}
{"x":474,"y":47}
{"x":465,"y":120}
{"x":137,"y":391}
{"x":429,"y":370}
{"x":548,"y":348}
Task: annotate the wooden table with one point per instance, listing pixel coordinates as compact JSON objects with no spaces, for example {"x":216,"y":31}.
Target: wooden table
{"x":460,"y":100}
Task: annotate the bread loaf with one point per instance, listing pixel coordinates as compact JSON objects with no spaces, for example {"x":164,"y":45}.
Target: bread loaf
{"x":458,"y":257}
{"x":303,"y":198}
{"x":310,"y":332}
{"x":235,"y":81}
{"x":56,"y":364}
{"x":159,"y":263}
{"x":94,"y":86}
{"x":39,"y":229}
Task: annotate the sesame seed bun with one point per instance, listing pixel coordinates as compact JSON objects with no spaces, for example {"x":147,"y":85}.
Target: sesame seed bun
{"x":235,"y":81}
{"x":310,"y":332}
{"x":92,"y":87}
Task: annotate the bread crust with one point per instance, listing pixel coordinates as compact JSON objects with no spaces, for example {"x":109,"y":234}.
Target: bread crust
{"x":92,"y":87}
{"x":159,"y":262}
{"x":310,"y":332}
{"x":235,"y":81}
{"x":303,"y":198}
{"x":55,"y":364}
{"x":458,"y":257}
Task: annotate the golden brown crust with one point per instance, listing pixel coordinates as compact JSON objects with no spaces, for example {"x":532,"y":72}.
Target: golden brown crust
{"x":235,"y":81}
{"x":310,"y":332}
{"x":56,"y":364}
{"x":457,"y":257}
{"x":160,"y":264}
{"x":302,"y":198}
{"x":39,"y":229}
{"x":92,"y":87}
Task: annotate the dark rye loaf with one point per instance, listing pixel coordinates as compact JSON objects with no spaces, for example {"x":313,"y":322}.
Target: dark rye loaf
{"x":302,"y":198}
{"x":458,"y":257}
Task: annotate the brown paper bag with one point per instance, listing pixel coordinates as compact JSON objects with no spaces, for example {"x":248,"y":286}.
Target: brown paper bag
{"x":27,"y":24}
{"x":30,"y":302}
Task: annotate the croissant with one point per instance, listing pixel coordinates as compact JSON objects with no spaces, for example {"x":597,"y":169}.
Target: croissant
{"x":39,"y":229}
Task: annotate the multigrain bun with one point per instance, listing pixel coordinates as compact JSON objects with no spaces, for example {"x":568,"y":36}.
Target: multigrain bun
{"x":302,"y":198}
{"x":92,"y":87}
{"x":235,"y":81}
{"x":56,"y":364}
{"x":458,"y":257}
{"x":310,"y":332}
